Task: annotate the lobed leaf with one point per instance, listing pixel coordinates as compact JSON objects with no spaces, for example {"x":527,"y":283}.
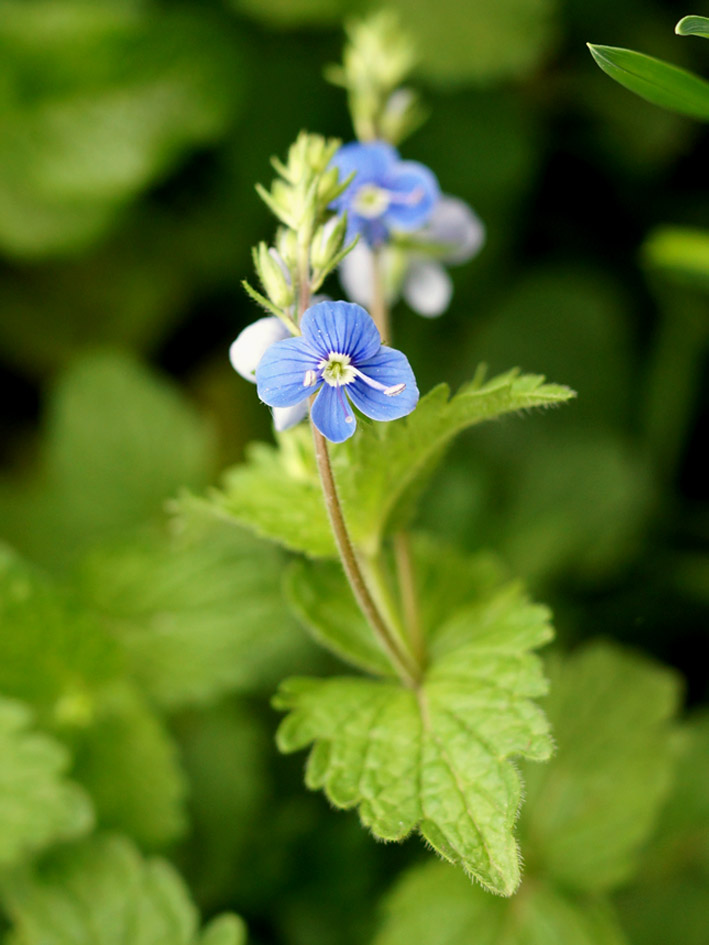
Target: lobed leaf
{"x":435,"y":760}
{"x":198,"y":614}
{"x":589,"y":812}
{"x":38,"y":804}
{"x":654,"y":80}
{"x":103,"y":892}
{"x":434,"y":904}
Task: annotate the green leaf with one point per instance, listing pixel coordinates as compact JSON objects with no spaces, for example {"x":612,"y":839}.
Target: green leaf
{"x":680,"y":254}
{"x":659,"y":82}
{"x":38,"y":805}
{"x":125,"y":740}
{"x":199,"y":614}
{"x":99,"y":103}
{"x":119,"y":441}
{"x":54,"y":652}
{"x":382,"y":473}
{"x":693,"y":26}
{"x":589,"y":812}
{"x":103,"y":892}
{"x":434,"y":904}
{"x":435,"y":760}
{"x":321,"y":598}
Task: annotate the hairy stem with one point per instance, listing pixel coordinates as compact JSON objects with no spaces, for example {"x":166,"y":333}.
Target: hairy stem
{"x":400,"y":659}
{"x":379,"y":308}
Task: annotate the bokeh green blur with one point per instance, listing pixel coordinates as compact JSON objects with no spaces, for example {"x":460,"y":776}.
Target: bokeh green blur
{"x":131,"y":135}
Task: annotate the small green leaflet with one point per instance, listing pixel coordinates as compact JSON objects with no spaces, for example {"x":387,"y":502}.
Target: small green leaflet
{"x":38,"y":805}
{"x":589,"y":812}
{"x":654,"y":80}
{"x":436,"y":760}
{"x":125,"y":740}
{"x":433,"y":904}
{"x":103,"y":892}
{"x":693,"y":26}
{"x":380,"y":473}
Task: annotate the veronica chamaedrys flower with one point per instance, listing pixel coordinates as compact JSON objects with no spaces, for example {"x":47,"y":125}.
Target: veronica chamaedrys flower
{"x":340,"y":359}
{"x":247,"y":351}
{"x":452,"y":235}
{"x":386,"y":194}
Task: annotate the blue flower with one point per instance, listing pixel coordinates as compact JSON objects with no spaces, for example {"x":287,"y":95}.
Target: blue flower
{"x":386,"y":193}
{"x":340,"y":358}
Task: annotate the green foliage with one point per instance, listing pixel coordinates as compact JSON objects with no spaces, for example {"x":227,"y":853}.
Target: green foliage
{"x":380,"y":474}
{"x":103,"y":101}
{"x":679,"y":254}
{"x":127,"y":761}
{"x":589,"y":812}
{"x":659,"y":82}
{"x":102,"y":893}
{"x":199,"y":613}
{"x":54,"y":653}
{"x":434,"y":904}
{"x":436,"y":760}
{"x":693,"y":26}
{"x":38,"y":805}
{"x":118,"y":442}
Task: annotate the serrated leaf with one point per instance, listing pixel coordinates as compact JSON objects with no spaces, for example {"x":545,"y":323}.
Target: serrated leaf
{"x":383,"y":471}
{"x":103,"y":892}
{"x":380,"y":473}
{"x":120,"y":440}
{"x":434,"y":904}
{"x":654,"y":80}
{"x":126,"y":740}
{"x":693,"y":26}
{"x":679,"y":253}
{"x":38,"y":804}
{"x":199,"y":614}
{"x":435,"y":760}
{"x":54,"y":652}
{"x":589,"y":811}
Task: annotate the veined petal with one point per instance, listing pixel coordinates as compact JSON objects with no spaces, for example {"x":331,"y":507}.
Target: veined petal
{"x":282,"y":370}
{"x":427,"y":288}
{"x":286,"y":417}
{"x":415,"y":192}
{"x":251,"y":344}
{"x":390,"y":368}
{"x":343,"y":327}
{"x":332,"y":414}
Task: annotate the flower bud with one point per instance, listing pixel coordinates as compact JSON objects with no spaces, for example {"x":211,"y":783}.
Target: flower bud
{"x":274,"y":276}
{"x":328,"y":241}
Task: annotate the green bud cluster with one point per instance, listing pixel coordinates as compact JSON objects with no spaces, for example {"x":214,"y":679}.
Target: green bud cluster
{"x":378,"y":57}
{"x":310,"y":242}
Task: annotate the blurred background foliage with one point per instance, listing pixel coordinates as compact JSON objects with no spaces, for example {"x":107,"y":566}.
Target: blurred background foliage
{"x":131,"y":135}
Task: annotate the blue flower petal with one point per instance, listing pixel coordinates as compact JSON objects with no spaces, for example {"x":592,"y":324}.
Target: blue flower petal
{"x":342,"y":327}
{"x":415,"y":191}
{"x":371,"y":162}
{"x":332,"y":414}
{"x":281,"y":372}
{"x":389,"y":367}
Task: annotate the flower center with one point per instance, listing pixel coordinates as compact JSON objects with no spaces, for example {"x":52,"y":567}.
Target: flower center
{"x":371,"y":201}
{"x":337,"y":369}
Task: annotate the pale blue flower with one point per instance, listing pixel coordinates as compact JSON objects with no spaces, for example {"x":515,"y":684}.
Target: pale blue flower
{"x":386,"y":194}
{"x":340,"y":359}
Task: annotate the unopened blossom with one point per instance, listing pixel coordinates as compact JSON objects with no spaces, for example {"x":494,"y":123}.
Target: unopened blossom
{"x":341,"y":361}
{"x":386,"y":194}
{"x":452,"y":235}
{"x":246,"y":353}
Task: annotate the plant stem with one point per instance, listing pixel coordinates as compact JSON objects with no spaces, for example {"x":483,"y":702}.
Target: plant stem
{"x":409,"y":596}
{"x":408,"y":671}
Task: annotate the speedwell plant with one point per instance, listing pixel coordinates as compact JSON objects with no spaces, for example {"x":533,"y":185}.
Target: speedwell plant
{"x":423,"y":736}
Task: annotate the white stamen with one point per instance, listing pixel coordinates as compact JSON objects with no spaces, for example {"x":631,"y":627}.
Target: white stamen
{"x":310,"y":378}
{"x":394,"y":390}
{"x":370,"y":382}
{"x":408,"y":200}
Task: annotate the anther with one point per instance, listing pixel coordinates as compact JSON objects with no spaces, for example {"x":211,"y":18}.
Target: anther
{"x":310,"y":378}
{"x":394,"y":390}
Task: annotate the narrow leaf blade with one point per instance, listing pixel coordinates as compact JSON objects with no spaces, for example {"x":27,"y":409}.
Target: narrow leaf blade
{"x":693,"y":26}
